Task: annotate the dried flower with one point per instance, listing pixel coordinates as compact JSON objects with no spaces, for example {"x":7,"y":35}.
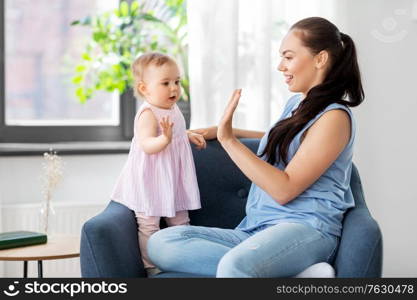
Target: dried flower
{"x":52,"y":175}
{"x":52,"y":167}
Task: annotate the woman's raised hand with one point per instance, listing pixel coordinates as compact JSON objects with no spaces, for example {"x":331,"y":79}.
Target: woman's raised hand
{"x":166,"y":127}
{"x":225,"y":130}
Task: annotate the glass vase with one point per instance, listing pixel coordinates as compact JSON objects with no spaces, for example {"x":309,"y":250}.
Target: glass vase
{"x":47,"y":218}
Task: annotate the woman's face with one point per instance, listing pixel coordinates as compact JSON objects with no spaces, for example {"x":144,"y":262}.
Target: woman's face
{"x":302,"y":69}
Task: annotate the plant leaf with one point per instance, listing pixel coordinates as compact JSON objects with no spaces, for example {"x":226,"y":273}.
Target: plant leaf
{"x":79,"y":92}
{"x":86,"y":56}
{"x":124,"y":9}
{"x":134,"y":8}
{"x":77,"y":79}
{"x":80,"y":68}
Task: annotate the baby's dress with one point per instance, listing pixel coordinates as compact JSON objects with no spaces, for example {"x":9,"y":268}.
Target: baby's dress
{"x":163,"y":183}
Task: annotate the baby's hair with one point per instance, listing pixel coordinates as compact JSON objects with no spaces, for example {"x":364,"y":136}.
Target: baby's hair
{"x":142,"y":62}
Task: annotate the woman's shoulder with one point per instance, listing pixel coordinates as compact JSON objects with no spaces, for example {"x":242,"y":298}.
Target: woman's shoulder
{"x":335,"y":111}
{"x":339,"y":111}
{"x":335,"y":105}
{"x":335,"y":117}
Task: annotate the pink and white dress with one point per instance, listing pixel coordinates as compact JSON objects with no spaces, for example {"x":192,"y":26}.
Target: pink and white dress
{"x":163,"y":183}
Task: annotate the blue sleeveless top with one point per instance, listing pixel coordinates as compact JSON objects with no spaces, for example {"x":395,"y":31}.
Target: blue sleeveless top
{"x":321,"y":205}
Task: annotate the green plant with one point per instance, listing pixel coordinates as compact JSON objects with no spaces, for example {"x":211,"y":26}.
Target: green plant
{"x":119,"y":36}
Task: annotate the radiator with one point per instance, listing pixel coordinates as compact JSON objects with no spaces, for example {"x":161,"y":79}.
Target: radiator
{"x":68,"y":219}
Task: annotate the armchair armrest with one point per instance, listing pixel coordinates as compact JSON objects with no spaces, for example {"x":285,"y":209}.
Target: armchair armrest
{"x":109,"y":244}
{"x":360,"y":249}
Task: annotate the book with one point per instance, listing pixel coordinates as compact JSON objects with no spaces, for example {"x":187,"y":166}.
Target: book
{"x":15,"y":239}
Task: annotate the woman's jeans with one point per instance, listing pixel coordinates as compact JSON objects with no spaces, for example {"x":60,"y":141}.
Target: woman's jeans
{"x":281,"y":250}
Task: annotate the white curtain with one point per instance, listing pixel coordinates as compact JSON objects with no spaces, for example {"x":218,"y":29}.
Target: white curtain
{"x":234,"y":44}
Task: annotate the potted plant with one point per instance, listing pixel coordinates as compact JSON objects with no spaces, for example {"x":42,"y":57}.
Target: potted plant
{"x":119,"y":36}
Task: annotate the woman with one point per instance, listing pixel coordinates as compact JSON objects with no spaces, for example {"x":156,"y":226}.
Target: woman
{"x":300,"y":177}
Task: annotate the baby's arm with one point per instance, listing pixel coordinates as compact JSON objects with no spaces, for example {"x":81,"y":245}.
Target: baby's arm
{"x":147,"y":129}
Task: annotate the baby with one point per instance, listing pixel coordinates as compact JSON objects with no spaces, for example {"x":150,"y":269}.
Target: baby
{"x":159,"y":178}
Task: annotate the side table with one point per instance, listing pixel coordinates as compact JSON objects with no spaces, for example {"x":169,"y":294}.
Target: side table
{"x":57,"y":247}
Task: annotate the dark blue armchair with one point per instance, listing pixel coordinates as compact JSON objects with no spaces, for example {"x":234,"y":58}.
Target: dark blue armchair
{"x":109,"y":243}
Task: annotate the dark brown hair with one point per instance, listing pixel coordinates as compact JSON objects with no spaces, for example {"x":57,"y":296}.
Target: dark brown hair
{"x":342,"y":84}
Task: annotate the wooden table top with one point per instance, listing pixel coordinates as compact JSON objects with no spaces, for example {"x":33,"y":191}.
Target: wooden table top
{"x":57,"y":247}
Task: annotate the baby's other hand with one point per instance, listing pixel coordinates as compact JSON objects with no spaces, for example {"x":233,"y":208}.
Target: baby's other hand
{"x":197,"y":139}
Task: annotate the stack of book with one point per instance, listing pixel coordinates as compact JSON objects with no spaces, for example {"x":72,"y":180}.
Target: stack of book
{"x":15,"y":239}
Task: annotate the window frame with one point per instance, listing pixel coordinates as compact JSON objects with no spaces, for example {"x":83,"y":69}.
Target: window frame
{"x":47,"y":134}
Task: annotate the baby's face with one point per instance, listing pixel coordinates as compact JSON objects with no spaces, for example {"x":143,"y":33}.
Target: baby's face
{"x":162,"y":85}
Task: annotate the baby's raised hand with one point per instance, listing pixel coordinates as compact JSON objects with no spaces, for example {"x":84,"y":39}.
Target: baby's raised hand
{"x":166,"y":127}
{"x":197,"y":139}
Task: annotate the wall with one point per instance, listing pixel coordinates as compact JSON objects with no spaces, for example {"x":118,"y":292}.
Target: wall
{"x":86,"y":178}
{"x":386,"y":146}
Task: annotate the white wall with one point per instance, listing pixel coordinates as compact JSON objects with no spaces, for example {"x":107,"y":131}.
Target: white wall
{"x":386,"y":143}
{"x":86,"y":178}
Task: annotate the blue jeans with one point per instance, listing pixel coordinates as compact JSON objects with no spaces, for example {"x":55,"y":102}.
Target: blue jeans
{"x":281,"y":250}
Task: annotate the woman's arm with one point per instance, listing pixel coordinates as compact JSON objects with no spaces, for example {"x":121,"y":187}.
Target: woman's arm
{"x":197,"y":139}
{"x":210,"y":133}
{"x":243,"y":133}
{"x":147,"y":129}
{"x":323,"y":143}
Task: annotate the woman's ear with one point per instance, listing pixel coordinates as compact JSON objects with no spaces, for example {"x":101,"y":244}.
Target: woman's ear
{"x":322,"y":59}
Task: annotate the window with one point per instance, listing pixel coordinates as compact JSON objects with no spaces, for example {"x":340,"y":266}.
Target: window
{"x":37,"y":98}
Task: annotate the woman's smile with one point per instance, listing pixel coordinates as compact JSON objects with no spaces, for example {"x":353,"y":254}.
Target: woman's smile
{"x":288,"y":78}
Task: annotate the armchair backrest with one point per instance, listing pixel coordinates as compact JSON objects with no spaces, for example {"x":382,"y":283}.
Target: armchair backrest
{"x":223,"y":187}
{"x":224,"y":190}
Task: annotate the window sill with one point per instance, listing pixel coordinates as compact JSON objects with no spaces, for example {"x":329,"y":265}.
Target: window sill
{"x":64,"y":148}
